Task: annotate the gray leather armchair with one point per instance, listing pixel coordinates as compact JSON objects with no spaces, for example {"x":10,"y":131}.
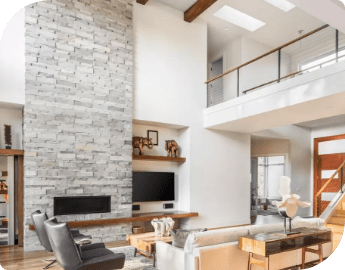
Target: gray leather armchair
{"x":69,"y":255}
{"x":38,"y":219}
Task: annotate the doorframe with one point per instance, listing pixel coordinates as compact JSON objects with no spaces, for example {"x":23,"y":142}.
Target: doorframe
{"x":315,"y":163}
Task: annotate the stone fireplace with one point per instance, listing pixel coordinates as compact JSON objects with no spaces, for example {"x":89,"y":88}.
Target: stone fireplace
{"x":78,"y":112}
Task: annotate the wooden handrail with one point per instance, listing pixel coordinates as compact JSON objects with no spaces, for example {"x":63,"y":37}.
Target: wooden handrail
{"x":268,"y":53}
{"x":330,"y":180}
{"x":292,"y":74}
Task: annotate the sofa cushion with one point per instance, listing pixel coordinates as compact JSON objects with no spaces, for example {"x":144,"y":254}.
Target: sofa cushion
{"x":315,"y":223}
{"x":213,"y":237}
{"x":180,"y":236}
{"x":265,"y":228}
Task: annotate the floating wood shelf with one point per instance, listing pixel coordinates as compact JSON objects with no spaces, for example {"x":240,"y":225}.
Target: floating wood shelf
{"x":11,"y":152}
{"x":135,"y":218}
{"x":159,"y":158}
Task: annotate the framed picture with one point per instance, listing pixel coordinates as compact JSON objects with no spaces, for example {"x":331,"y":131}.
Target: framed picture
{"x":152,"y":134}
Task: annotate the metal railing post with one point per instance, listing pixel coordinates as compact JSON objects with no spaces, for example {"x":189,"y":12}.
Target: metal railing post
{"x":279,"y":64}
{"x":238,"y":82}
{"x":337,"y":45}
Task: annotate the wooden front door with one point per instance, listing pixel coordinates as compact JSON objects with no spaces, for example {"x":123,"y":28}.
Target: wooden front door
{"x":324,"y":167}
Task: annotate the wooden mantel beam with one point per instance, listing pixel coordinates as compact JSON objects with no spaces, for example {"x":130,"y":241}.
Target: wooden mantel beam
{"x":197,"y":9}
{"x":143,"y":2}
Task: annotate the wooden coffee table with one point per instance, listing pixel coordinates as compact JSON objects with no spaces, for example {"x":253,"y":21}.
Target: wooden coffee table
{"x":145,"y":243}
{"x":266,"y":244}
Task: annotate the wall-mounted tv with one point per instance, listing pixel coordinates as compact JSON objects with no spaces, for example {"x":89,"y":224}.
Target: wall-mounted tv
{"x":153,"y":186}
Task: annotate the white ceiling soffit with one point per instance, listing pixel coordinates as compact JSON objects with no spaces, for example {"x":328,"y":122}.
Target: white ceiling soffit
{"x":339,"y":119}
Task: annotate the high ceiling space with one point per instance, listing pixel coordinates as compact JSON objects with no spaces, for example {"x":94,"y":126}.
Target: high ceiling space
{"x":280,"y":27}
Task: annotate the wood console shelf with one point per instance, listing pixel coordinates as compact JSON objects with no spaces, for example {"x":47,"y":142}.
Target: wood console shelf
{"x":135,"y":218}
{"x":159,"y":158}
{"x":11,"y":152}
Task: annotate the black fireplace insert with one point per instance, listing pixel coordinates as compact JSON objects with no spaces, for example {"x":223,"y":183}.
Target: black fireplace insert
{"x":82,"y":205}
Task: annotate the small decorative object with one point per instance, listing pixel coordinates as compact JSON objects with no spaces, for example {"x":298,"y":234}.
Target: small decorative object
{"x":163,"y":226}
{"x":288,"y":207}
{"x":172,"y":148}
{"x":8,"y":136}
{"x":153,"y":135}
{"x":140,"y":142}
{"x":138,"y":230}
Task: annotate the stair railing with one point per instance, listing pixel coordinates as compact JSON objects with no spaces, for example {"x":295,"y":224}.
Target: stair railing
{"x":318,"y":195}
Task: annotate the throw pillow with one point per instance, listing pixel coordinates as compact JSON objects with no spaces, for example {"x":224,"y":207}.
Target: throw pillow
{"x":180,"y":236}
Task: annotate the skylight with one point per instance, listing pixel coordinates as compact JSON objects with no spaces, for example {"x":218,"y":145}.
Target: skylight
{"x":281,"y":4}
{"x":238,"y":18}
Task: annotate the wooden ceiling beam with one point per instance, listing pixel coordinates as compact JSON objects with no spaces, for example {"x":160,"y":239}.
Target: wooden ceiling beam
{"x":143,"y":2}
{"x":197,"y":9}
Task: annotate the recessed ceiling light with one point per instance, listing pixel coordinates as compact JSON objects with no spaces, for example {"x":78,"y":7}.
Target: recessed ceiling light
{"x":226,"y":28}
{"x":238,"y":18}
{"x":282,"y":4}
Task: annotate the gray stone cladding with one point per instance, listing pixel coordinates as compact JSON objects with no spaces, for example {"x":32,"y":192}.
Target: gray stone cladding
{"x":78,"y":111}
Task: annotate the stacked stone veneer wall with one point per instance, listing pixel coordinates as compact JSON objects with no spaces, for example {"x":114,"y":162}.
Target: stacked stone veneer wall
{"x":78,"y":112}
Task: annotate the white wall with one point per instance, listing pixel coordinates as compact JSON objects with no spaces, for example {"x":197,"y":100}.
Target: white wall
{"x":12,"y":61}
{"x":299,"y":161}
{"x":170,"y":71}
{"x":15,"y":119}
{"x":167,"y":52}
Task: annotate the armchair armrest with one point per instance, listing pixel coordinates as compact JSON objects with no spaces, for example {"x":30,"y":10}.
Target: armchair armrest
{"x":169,"y":257}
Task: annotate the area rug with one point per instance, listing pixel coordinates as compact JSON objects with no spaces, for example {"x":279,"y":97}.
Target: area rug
{"x":134,"y":263}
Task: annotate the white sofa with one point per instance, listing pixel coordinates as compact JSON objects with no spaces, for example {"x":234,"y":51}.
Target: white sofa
{"x":218,"y":249}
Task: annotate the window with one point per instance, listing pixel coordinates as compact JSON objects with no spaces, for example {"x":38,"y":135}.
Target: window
{"x":323,"y":61}
{"x":270,"y":169}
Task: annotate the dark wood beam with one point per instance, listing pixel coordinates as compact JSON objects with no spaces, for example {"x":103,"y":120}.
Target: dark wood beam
{"x":143,"y":2}
{"x":197,"y":9}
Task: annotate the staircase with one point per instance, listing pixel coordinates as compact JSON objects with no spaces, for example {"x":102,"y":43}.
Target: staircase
{"x":337,"y":223}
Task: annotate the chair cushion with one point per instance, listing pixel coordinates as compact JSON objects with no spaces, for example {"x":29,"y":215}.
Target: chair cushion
{"x":102,"y":259}
{"x":213,"y":237}
{"x":93,"y":253}
{"x":315,"y":223}
{"x":180,"y":236}
{"x":265,"y":228}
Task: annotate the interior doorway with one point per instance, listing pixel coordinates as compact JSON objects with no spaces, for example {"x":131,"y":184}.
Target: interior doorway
{"x":266,"y":173}
{"x":216,"y":88}
{"x":329,"y":154}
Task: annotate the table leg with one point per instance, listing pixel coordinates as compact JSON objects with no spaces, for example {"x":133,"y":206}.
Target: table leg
{"x":250,"y":254}
{"x":320,"y":253}
{"x":303,"y":258}
{"x":154,"y":259}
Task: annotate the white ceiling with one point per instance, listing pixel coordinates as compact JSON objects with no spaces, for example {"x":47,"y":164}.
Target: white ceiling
{"x":337,"y":2}
{"x":281,"y":27}
{"x":181,"y":5}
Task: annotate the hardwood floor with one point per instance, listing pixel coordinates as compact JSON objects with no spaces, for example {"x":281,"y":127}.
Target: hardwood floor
{"x":14,"y":257}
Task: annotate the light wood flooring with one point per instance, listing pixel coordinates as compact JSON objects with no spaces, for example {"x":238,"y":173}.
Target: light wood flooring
{"x":14,"y":257}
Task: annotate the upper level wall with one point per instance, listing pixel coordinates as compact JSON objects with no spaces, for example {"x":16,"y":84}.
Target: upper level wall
{"x":168,"y":52}
{"x":12,"y":60}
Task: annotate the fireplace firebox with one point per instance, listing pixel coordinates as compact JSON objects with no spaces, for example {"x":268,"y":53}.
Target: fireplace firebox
{"x":82,"y":205}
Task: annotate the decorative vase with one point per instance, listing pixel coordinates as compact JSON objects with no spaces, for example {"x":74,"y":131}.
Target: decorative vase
{"x":163,"y":226}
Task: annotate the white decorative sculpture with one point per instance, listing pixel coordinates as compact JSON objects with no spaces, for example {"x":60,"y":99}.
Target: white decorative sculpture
{"x":163,"y":226}
{"x":288,"y":207}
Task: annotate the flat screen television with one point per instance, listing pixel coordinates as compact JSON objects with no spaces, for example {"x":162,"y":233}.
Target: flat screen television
{"x":153,"y":186}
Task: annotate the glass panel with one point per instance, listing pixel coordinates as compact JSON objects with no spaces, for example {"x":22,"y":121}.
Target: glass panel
{"x":328,"y":196}
{"x":276,"y":160}
{"x":326,"y":174}
{"x":341,"y":54}
{"x":332,"y":147}
{"x":273,"y":181}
